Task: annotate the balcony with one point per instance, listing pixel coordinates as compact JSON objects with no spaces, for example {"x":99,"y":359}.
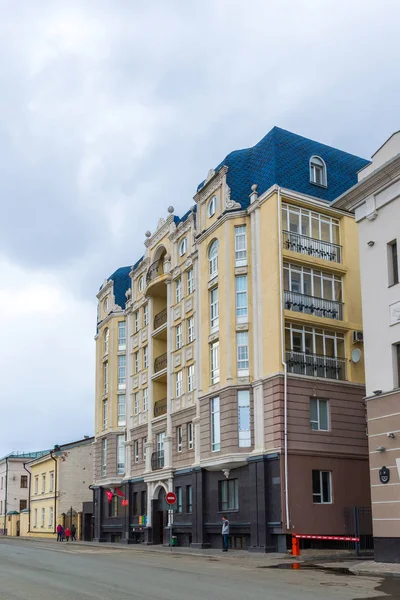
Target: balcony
{"x":311,"y":305}
{"x":160,"y":408}
{"x":155,"y":270}
{"x":157,"y":460}
{"x":161,"y":362}
{"x":160,"y":319}
{"x":312,"y":247}
{"x":315,"y":365}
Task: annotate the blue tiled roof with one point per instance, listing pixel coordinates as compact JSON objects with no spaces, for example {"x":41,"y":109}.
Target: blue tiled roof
{"x":137,"y":263}
{"x":122,"y":283}
{"x":282,"y":158}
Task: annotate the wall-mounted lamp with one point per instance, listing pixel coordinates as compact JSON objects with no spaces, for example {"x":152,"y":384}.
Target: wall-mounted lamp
{"x":391,"y":436}
{"x":377,"y":392}
{"x":370,"y":243}
{"x":381,"y":449}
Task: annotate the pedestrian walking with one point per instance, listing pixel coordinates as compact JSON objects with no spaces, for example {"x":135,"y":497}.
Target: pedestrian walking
{"x":60,"y":533}
{"x":67,"y":533}
{"x":225,"y":533}
{"x":73,"y":533}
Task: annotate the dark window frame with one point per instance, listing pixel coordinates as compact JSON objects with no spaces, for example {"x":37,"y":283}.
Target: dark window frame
{"x":228,"y":495}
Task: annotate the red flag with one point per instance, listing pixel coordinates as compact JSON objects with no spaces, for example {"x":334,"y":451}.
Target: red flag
{"x":109,"y":495}
{"x":119,"y":493}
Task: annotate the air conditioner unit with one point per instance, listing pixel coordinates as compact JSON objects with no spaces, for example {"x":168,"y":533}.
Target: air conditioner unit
{"x":358,"y":336}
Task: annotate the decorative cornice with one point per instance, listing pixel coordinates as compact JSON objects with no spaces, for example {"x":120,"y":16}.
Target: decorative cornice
{"x":229,"y":204}
{"x":105,"y":288}
{"x":224,"y":217}
{"x":211,"y":186}
{"x":182,"y":228}
{"x":161,"y":231}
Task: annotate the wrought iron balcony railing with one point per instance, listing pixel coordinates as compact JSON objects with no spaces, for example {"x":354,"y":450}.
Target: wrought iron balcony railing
{"x":160,"y":407}
{"x":160,"y":363}
{"x":155,"y":270}
{"x":315,"y":365}
{"x":312,"y":305}
{"x":312,"y":247}
{"x":160,"y":318}
{"x":157,"y":460}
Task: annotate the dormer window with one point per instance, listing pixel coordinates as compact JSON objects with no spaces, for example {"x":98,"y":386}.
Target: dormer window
{"x":141,"y":284}
{"x":106,"y":305}
{"x":318,"y":171}
{"x":212,"y":206}
{"x":183,"y":247}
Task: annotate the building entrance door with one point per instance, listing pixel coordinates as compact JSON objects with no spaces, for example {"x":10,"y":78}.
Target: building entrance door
{"x":159,"y":519}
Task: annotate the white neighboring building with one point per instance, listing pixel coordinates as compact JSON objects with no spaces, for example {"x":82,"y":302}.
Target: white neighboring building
{"x":14,"y":484}
{"x":375,"y":200}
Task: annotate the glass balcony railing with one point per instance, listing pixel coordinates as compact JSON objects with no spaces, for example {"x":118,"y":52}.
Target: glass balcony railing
{"x":160,"y":408}
{"x":157,"y":460}
{"x":315,"y":365}
{"x":312,"y":247}
{"x":311,"y":305}
{"x":160,"y":319}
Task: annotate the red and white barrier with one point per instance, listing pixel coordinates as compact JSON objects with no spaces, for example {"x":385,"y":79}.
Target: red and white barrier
{"x":340,"y":538}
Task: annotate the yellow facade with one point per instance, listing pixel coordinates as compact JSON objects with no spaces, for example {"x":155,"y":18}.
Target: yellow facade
{"x":43,"y":497}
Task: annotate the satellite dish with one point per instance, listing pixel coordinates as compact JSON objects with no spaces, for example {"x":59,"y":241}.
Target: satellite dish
{"x":356,"y":355}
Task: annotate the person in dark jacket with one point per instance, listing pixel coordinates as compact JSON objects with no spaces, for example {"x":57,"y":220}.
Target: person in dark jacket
{"x":225,"y":533}
{"x":73,"y":533}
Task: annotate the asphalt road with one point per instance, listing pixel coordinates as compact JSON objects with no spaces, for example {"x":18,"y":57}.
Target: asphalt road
{"x":33,"y":570}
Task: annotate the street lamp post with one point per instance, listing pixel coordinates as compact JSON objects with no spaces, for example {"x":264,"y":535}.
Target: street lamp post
{"x":56,"y":452}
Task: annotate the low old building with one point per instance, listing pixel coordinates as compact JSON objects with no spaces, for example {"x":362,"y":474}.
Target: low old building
{"x":14,"y":486}
{"x":375,"y":200}
{"x":59,"y":485}
{"x":225,"y":368}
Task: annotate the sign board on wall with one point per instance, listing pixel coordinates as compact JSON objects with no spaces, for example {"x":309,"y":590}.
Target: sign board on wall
{"x":394,"y":313}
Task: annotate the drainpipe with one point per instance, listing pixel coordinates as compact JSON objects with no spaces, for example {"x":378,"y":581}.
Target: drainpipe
{"x":283,"y":360}
{"x":5,"y":500}
{"x":29,"y":497}
{"x":56,"y":448}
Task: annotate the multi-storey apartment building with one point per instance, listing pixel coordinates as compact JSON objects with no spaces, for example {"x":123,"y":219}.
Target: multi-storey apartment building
{"x":14,"y":485}
{"x":375,"y":200}
{"x":223,"y":357}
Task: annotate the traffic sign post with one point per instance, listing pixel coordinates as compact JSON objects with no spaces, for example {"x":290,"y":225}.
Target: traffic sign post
{"x":171,"y":500}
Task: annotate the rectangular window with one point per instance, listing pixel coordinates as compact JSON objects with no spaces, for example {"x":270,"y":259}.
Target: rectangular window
{"x":397,"y":359}
{"x":190,"y":378}
{"x":190,"y":330}
{"x":122,"y":372}
{"x":244,"y":418}
{"x":319,"y":414}
{"x":241,"y":299}
{"x":240,"y":246}
{"x":35,"y":517}
{"x":145,"y":315}
{"x":189,"y":499}
{"x":214,"y":310}
{"x":51,"y":517}
{"x":36,"y":484}
{"x":179,"y":438}
{"x":242,"y":341}
{"x":2,"y":482}
{"x":178,"y":290}
{"x":145,"y":399}
{"x":121,"y":410}
{"x":145,"y":357}
{"x":23,"y":505}
{"x":136,"y":403}
{"x":136,"y":450}
{"x":43,"y":483}
{"x":190,"y":282}
{"x":43,"y":518}
{"x":1,"y":507}
{"x":121,"y":335}
{"x":393,"y":263}
{"x":215,"y":425}
{"x":143,"y":502}
{"x":120,"y":454}
{"x":113,"y":507}
{"x":190,"y":435}
{"x":214,"y":359}
{"x":51,"y":487}
{"x":105,"y":414}
{"x":105,"y":377}
{"x":228,"y":495}
{"x":24,"y":481}
{"x":322,"y":487}
{"x":136,"y":321}
{"x":178,"y":336}
{"x":104,"y":457}
{"x":144,"y":448}
{"x":135,"y":503}
{"x":179,"y":383}
{"x":136,"y":362}
{"x":179,"y":502}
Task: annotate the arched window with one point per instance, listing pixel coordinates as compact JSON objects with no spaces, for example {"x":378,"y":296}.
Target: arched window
{"x":318,"y":171}
{"x":212,"y":206}
{"x":106,"y":339}
{"x":213,"y":258}
{"x":141,"y":284}
{"x":106,"y":304}
{"x":183,"y":247}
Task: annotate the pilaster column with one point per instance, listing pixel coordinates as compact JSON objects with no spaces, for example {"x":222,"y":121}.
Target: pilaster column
{"x":150,"y":373}
{"x":170,"y":377}
{"x":230,"y":335}
{"x":197,"y":358}
{"x":128,"y":394}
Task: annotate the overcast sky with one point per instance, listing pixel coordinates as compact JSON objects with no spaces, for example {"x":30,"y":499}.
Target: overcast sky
{"x":112,"y":110}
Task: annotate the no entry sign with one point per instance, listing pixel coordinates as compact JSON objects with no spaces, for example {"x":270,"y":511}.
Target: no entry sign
{"x":170,"y":498}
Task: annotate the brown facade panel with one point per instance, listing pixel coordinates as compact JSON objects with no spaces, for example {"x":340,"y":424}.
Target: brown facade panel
{"x":386,"y":529}
{"x":350,"y":487}
{"x":185,"y":458}
{"x":386,"y":493}
{"x":111,"y":455}
{"x":273,"y":412}
{"x":384,"y":405}
{"x":138,"y":435}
